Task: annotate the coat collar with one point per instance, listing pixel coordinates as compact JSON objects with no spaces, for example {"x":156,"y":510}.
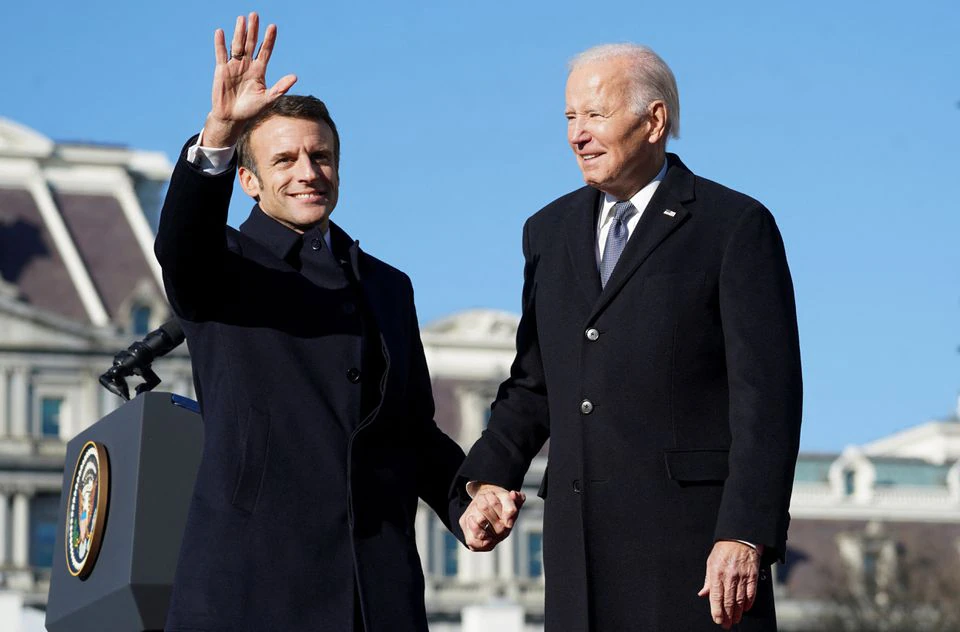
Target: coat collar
{"x":278,"y":239}
{"x":664,"y":214}
{"x":282,"y":241}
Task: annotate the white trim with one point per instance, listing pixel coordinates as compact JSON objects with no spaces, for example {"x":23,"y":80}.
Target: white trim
{"x":20,"y":140}
{"x":20,"y":545}
{"x":137,"y":219}
{"x":68,"y":250}
{"x":4,"y":530}
{"x":114,"y":182}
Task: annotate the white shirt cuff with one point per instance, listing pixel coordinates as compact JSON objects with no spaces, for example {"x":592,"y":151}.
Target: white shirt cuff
{"x":211,"y":160}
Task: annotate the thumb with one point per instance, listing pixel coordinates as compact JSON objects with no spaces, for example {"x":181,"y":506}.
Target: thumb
{"x":282,"y":85}
{"x":706,"y":588}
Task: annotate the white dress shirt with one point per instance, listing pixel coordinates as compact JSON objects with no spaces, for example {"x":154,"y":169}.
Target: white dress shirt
{"x":640,"y":200}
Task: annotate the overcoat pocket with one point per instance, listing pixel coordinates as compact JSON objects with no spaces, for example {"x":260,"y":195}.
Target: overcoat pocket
{"x":254,"y":443}
{"x":697,"y":466}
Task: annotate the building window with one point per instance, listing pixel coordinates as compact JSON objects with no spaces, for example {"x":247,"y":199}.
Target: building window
{"x":43,"y":528}
{"x":848,"y":482}
{"x":50,"y":416}
{"x":140,"y":320}
{"x":451,"y":547}
{"x":534,"y":554}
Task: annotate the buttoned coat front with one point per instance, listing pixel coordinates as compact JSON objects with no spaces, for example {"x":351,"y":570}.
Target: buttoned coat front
{"x":671,"y":399}
{"x":299,"y":499}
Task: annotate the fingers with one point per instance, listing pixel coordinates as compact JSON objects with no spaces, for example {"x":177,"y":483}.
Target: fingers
{"x":495,"y":515}
{"x":280,"y":87}
{"x":731,"y":581}
{"x":266,"y":48}
{"x":716,"y":600}
{"x":490,"y":516}
{"x":220,"y":47}
{"x":476,"y":536}
{"x":236,"y":44}
{"x":250,"y":41}
{"x":739,"y":601}
{"x":751,"y":593}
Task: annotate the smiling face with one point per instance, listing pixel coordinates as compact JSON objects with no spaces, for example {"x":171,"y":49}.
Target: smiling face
{"x":296,"y":182}
{"x":618,"y":151}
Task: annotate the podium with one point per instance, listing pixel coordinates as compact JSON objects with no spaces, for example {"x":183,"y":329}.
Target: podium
{"x":127,"y":484}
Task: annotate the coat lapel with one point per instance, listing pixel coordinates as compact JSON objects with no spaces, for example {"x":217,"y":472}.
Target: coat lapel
{"x":581,"y":229}
{"x":663,"y":215}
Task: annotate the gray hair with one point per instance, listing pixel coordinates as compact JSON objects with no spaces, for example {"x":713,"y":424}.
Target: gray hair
{"x":652,"y":79}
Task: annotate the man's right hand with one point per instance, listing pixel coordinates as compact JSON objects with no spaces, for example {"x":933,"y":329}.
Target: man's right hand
{"x":239,"y":81}
{"x":490,"y":517}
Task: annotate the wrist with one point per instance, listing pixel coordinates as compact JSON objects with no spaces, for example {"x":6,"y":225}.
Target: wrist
{"x":220,"y":133}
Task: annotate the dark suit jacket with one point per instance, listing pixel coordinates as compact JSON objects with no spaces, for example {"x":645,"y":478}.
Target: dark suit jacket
{"x":671,"y":399}
{"x":307,"y":488}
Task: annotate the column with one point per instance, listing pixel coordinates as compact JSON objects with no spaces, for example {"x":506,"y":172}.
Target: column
{"x":506,"y":552}
{"x":4,"y":401}
{"x":4,"y":528}
{"x":18,"y":394}
{"x":20,"y":554}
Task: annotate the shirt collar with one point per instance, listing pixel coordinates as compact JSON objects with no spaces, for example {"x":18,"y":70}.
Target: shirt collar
{"x":640,"y":199}
{"x":278,"y":239}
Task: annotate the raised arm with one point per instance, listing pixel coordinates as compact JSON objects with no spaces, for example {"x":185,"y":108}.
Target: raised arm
{"x":191,"y":244}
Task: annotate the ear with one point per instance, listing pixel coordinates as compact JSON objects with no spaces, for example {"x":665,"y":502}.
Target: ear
{"x":249,"y":182}
{"x":658,"y":117}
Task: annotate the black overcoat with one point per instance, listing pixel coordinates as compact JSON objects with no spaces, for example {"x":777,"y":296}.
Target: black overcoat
{"x":299,"y":497}
{"x":671,"y":399}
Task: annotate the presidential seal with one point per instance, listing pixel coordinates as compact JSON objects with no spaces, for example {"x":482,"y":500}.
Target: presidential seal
{"x":87,"y":509}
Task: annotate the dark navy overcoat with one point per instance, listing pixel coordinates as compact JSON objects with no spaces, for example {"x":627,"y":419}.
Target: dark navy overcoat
{"x":319,"y":430}
{"x":671,"y":398}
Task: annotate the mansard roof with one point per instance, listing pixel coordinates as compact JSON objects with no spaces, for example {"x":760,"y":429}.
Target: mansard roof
{"x":74,"y":237}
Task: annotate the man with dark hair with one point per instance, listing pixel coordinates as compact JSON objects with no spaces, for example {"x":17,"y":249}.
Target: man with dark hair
{"x":317,"y":406}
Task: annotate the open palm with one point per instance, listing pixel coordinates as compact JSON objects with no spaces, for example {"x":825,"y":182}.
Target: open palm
{"x":239,"y":81}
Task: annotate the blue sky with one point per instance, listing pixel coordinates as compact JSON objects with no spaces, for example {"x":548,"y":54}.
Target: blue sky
{"x":842,"y":117}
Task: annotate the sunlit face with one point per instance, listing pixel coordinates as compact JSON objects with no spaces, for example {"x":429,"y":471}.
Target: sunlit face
{"x":618,"y":151}
{"x":298,"y":183}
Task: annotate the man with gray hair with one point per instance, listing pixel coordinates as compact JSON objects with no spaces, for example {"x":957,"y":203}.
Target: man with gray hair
{"x":658,"y":351}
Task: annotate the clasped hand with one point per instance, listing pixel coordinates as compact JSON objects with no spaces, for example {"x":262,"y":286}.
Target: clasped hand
{"x":490,"y":517}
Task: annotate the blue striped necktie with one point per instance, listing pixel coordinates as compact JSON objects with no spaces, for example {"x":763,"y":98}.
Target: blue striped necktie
{"x":616,"y":240}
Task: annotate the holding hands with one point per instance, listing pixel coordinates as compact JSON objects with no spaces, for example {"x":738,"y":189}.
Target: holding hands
{"x":490,"y":517}
{"x":239,"y":82}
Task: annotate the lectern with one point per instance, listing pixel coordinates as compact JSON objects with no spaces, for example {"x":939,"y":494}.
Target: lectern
{"x":127,"y":483}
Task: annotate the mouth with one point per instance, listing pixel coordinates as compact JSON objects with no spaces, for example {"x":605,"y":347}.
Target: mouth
{"x":589,"y":157}
{"x":310,"y":196}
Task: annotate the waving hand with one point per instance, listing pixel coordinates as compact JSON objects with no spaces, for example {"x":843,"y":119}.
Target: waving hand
{"x":239,"y":82}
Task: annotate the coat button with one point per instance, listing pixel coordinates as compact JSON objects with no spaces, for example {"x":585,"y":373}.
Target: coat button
{"x":316,"y":243}
{"x":592,"y":334}
{"x":353,"y":374}
{"x":576,"y":486}
{"x":586,"y":407}
{"x":349,"y":309}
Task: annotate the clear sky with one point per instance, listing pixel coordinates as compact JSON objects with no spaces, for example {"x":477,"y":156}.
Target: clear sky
{"x":842,"y":117}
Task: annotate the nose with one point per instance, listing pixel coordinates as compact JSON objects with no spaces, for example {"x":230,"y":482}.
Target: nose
{"x":307,"y":169}
{"x":577,"y":134}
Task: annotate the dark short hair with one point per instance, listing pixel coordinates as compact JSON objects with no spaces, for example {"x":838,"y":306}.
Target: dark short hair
{"x":292,"y":106}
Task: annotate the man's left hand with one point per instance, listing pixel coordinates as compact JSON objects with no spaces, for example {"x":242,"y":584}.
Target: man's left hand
{"x":731,"y":581}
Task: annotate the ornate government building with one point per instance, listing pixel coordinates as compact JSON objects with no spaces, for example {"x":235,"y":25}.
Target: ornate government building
{"x":78,"y":282}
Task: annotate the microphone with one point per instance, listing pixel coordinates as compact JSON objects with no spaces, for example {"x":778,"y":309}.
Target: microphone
{"x":138,"y":357}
